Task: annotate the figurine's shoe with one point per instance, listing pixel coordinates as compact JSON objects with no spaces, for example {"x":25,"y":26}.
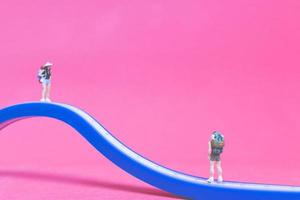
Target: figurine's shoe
{"x":210,"y":180}
{"x":220,"y":179}
{"x":43,"y":100}
{"x":48,"y":100}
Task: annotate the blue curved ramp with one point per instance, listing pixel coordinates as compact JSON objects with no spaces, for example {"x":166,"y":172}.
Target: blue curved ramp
{"x":177,"y":183}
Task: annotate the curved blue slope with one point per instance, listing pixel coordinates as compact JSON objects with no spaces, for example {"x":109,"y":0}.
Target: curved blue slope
{"x":166,"y":179}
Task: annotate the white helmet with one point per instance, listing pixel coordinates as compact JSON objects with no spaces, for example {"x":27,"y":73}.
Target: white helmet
{"x":47,"y":64}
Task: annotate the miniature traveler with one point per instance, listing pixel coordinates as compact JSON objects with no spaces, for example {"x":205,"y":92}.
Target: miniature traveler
{"x":215,"y":149}
{"x":44,"y":76}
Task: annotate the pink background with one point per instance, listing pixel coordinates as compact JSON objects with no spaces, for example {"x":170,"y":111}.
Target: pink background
{"x":160,"y":75}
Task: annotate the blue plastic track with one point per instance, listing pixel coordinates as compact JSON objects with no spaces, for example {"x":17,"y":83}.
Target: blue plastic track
{"x":177,"y":183}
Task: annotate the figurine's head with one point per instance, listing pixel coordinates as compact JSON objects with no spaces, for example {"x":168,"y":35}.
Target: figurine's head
{"x":216,"y":135}
{"x":47,"y":65}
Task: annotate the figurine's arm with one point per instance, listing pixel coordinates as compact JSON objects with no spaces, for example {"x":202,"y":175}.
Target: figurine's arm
{"x":40,"y":75}
{"x":40,"y":72}
{"x":209,"y":148}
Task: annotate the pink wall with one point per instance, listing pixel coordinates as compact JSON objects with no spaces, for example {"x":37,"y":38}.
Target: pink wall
{"x":161,"y":75}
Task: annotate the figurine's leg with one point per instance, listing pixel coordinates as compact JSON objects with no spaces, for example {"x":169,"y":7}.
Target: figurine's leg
{"x":48,"y":91}
{"x":44,"y":92}
{"x":211,"y":171}
{"x":220,"y":171}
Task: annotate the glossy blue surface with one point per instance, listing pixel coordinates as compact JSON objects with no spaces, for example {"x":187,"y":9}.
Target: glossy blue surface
{"x":161,"y":177}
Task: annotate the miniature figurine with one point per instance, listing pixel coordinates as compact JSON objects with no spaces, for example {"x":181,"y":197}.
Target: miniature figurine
{"x":44,"y":76}
{"x":215,"y":149}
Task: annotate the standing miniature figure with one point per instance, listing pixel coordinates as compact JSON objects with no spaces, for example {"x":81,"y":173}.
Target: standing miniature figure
{"x":215,"y":148}
{"x":44,"y":76}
